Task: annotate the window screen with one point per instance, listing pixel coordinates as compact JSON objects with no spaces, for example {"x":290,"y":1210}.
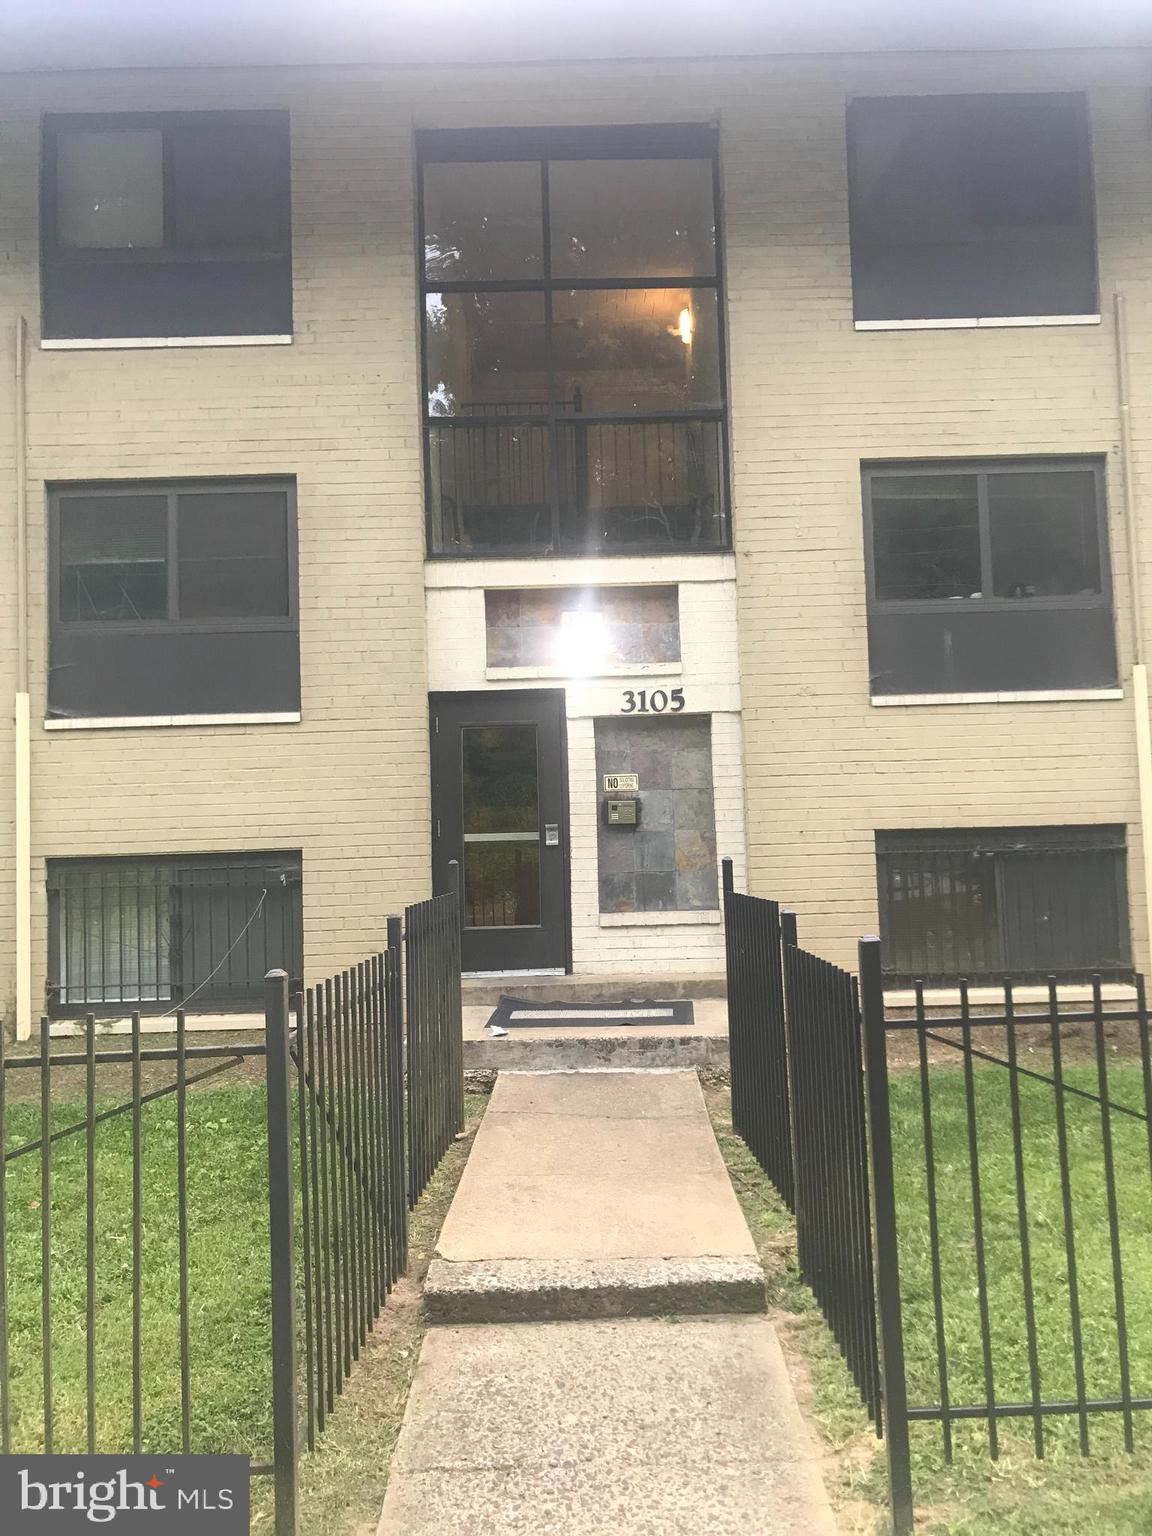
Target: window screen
{"x":965,"y":207}
{"x":1026,"y":901}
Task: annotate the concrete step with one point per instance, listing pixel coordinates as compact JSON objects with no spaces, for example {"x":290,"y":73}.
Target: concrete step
{"x":590,"y":1195}
{"x":558,"y":1290}
{"x":592,"y":989}
{"x":589,"y":1053}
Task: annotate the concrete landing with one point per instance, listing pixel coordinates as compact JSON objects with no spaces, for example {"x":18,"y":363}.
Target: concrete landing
{"x":617,"y":1169}
{"x":543,"y":1048}
{"x":624,"y":1428}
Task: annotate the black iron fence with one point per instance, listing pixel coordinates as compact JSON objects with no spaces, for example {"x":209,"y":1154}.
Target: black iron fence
{"x":110,"y":1171}
{"x":979,"y":1239}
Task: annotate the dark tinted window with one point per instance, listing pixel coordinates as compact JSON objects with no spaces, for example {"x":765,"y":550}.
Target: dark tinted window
{"x":166,"y":225}
{"x":113,"y":557}
{"x":926,"y":533}
{"x":971,"y":206}
{"x":572,"y":330}
{"x":988,"y":578}
{"x":1030,"y":901}
{"x":233,"y":554}
{"x":174,"y":600}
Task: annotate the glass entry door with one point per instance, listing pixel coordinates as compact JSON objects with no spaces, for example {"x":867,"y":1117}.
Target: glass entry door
{"x":499,"y":807}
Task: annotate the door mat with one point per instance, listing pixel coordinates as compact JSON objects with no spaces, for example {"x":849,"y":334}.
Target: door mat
{"x":521,"y":1013}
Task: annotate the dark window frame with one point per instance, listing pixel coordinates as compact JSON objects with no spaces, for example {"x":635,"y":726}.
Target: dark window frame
{"x":1085,"y":171}
{"x":57,"y":871}
{"x":54,"y":255}
{"x":903,"y":845}
{"x":981,"y":469}
{"x":173,"y":490}
{"x":647,"y":141}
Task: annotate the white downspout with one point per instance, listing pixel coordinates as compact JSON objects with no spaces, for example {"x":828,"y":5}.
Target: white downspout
{"x":1139,"y":669}
{"x":23,"y":737}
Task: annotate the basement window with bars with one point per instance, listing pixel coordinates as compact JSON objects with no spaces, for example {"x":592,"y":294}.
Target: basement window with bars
{"x":173,"y":599}
{"x":968,"y":208}
{"x":164,"y":225}
{"x":1022,"y":901}
{"x":157,"y":934}
{"x":988,"y":577}
{"x":573,"y":341}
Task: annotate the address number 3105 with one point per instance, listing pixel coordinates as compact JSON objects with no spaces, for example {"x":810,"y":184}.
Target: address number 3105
{"x":640,"y":701}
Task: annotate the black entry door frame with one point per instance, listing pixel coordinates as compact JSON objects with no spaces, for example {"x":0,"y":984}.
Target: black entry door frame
{"x":548,"y":944}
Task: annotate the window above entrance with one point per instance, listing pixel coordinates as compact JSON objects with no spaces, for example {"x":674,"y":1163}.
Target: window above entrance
{"x":582,"y":631}
{"x":573,"y":348}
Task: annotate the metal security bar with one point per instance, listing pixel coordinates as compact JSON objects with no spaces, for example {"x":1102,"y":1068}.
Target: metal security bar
{"x":757,"y":1041}
{"x":159,"y":934}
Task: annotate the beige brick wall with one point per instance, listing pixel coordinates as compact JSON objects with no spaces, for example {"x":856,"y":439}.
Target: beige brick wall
{"x":339,"y":408}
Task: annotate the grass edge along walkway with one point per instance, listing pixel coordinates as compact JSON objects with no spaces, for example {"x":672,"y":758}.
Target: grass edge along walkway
{"x":1108,"y":1495}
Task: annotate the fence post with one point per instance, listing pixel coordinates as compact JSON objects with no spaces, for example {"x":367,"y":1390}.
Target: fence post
{"x":788,"y":928}
{"x":893,"y":1389}
{"x":726,"y":877}
{"x":400,"y":1065}
{"x":281,"y":1206}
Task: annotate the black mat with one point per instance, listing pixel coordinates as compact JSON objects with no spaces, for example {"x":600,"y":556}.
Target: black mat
{"x":528,"y":1013}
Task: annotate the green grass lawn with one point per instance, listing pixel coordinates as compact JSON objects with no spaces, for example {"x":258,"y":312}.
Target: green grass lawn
{"x":1111,"y":1492}
{"x":229,"y":1301}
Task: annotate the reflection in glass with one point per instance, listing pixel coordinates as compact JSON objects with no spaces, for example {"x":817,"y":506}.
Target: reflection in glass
{"x":501,"y":821}
{"x":1045,"y":538}
{"x":113,"y":557}
{"x":489,"y":488}
{"x":636,"y":349}
{"x":483,"y":223}
{"x":485,"y":354}
{"x":109,"y":189}
{"x":926,"y":535}
{"x":632,"y":218}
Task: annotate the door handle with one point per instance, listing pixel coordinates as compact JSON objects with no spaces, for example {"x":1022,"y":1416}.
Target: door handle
{"x":551,"y":834}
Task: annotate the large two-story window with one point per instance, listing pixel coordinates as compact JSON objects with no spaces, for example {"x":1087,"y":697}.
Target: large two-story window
{"x":199,"y":931}
{"x":166,"y":225}
{"x":969,"y":208}
{"x":1026,"y":901}
{"x":173,"y":599}
{"x":988,"y":577}
{"x":573,"y":357}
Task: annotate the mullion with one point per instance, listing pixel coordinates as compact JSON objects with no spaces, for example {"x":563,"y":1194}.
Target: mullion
{"x":549,"y":361}
{"x":172,"y":557}
{"x":984,"y":524}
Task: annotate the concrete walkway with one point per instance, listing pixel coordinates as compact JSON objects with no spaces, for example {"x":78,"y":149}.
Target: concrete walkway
{"x":547,"y":1401}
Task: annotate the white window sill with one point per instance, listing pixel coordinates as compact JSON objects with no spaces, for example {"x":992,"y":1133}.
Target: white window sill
{"x":131,"y":722}
{"x":120,"y":343}
{"x":1039,"y":696}
{"x":984,"y":323}
{"x":658,"y":919}
{"x":986,"y":996}
{"x":639,"y":669}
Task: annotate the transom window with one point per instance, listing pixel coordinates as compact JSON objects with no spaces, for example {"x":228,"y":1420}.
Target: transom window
{"x":573,"y":356}
{"x":166,"y":225}
{"x":174,"y":598}
{"x":988,"y":577}
{"x":971,"y":207}
{"x":983,"y":901}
